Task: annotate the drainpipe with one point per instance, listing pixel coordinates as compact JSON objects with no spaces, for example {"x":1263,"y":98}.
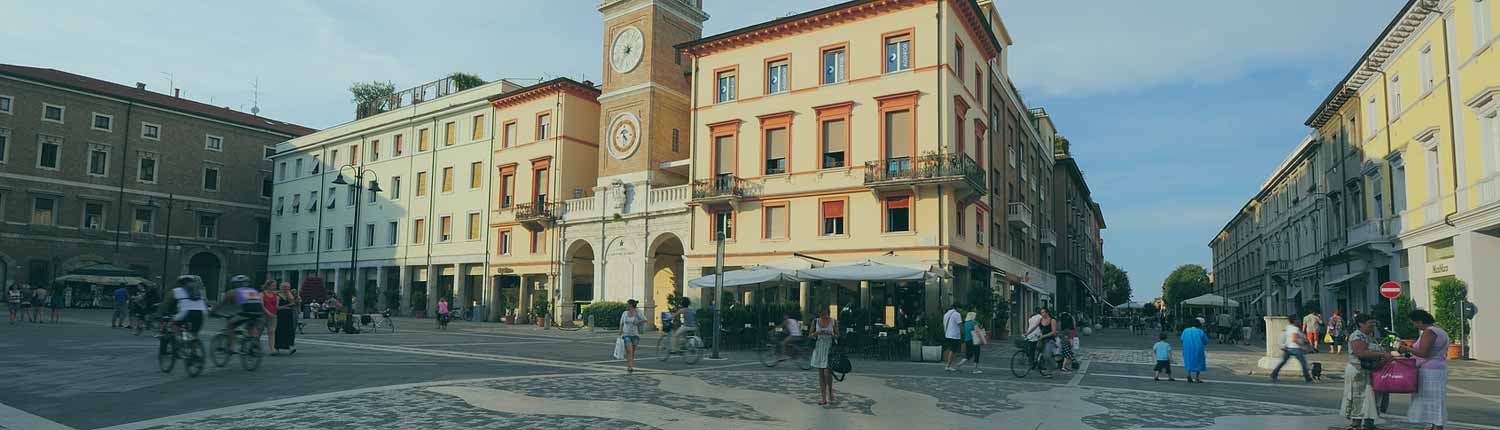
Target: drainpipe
{"x":692,"y":155}
{"x":432,"y":275}
{"x":1452,"y":121}
{"x":120,"y":197}
{"x":488,"y":287}
{"x":942,"y":233}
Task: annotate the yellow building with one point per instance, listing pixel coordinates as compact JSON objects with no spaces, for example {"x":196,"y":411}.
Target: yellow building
{"x":1420,"y":108}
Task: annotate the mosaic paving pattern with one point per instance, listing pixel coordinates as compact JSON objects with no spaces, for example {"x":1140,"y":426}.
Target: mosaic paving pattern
{"x":625,"y":388}
{"x":976,"y":399}
{"x":803,"y":386}
{"x":1153,"y":410}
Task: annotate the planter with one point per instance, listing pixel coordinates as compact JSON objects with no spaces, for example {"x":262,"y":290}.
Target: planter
{"x":932,"y":353}
{"x":540,"y":321}
{"x":1455,"y":351}
{"x":916,"y":350}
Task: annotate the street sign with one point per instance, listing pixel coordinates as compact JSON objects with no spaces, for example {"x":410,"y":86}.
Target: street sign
{"x":1390,"y":290}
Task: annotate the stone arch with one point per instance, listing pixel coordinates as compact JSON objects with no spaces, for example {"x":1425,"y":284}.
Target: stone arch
{"x":206,"y":263}
{"x":581,"y":260}
{"x":666,"y":274}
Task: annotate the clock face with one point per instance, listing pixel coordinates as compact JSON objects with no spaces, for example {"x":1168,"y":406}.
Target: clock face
{"x":625,"y":53}
{"x":624,"y":136}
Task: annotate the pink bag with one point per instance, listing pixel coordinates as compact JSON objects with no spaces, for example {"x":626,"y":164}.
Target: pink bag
{"x":1398,"y":376}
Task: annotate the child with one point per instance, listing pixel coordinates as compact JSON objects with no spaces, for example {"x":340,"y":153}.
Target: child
{"x":1163,"y":358}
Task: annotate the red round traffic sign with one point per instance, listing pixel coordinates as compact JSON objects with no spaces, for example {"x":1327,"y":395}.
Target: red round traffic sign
{"x":1390,"y":290}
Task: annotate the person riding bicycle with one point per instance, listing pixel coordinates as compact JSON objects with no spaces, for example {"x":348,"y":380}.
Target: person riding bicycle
{"x":1040,"y":330}
{"x":689,"y":321}
{"x":187,"y":306}
{"x":793,"y":331}
{"x":245,"y":301}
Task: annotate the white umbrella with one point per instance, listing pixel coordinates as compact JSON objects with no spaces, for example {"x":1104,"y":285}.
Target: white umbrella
{"x":867,"y":270}
{"x":758,"y":274}
{"x":1131,"y":305}
{"x":1210,"y":300}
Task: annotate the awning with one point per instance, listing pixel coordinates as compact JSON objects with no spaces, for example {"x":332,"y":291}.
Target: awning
{"x":113,"y":281}
{"x":1211,"y":300}
{"x":1033,"y":288}
{"x":1131,"y":305}
{"x":1341,"y":279}
{"x":750,"y":276}
{"x":867,"y":270}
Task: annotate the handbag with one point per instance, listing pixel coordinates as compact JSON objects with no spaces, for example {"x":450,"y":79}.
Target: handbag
{"x":839,"y":365}
{"x":619,"y":348}
{"x":1398,"y":376}
{"x":980,"y":337}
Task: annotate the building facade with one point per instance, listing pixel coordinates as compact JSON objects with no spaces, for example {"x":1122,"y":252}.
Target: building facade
{"x":96,"y":172}
{"x":1080,"y":257}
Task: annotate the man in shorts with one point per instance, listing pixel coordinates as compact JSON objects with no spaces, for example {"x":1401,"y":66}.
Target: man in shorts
{"x":122,"y":297}
{"x":13,"y":302}
{"x":952,"y":337}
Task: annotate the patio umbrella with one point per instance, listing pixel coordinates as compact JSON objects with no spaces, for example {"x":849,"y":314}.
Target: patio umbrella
{"x":1131,"y":305}
{"x":866,"y":270}
{"x":753,"y":275}
{"x":1210,"y":300}
{"x":104,"y":274}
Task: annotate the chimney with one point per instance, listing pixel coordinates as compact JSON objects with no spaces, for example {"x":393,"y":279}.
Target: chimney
{"x":140,"y":86}
{"x":177,"y":92}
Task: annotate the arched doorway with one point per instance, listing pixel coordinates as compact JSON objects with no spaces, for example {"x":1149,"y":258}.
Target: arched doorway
{"x":207,"y":266}
{"x":580,"y":273}
{"x":666,"y":277}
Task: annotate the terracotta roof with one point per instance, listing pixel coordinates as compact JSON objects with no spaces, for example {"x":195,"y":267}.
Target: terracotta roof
{"x":111,"y":89}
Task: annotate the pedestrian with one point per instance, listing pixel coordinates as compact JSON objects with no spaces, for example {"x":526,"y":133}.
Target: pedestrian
{"x":1194,"y":352}
{"x":1429,"y":404}
{"x":13,"y":302}
{"x":974,"y":338}
{"x":39,"y":301}
{"x":442,"y":310}
{"x":824,"y":330}
{"x":1224,"y":325}
{"x":122,"y":297}
{"x":57,"y":305}
{"x":1312,"y":326}
{"x":1064,"y":343}
{"x":269,"y":302}
{"x":1336,"y":333}
{"x":284,"y":333}
{"x":1163,"y":352}
{"x":25,"y":291}
{"x":952,"y":337}
{"x":1365,"y":354}
{"x":630,"y":331}
{"x":1040,"y":330}
{"x":1292,"y":346}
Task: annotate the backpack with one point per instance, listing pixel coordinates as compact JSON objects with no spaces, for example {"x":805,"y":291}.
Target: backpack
{"x":195,"y":292}
{"x":838,"y":364}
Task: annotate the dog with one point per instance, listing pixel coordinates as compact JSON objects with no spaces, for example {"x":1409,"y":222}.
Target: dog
{"x":1317,"y":371}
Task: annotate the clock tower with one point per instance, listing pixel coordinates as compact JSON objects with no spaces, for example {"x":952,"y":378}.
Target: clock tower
{"x":645,"y":104}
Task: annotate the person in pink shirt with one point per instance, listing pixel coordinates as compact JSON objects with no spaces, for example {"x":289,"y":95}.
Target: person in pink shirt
{"x":442,"y":310}
{"x":268,"y":300}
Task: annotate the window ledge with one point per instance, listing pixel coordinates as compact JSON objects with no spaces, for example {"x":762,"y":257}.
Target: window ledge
{"x":833,"y":236}
{"x":899,"y":233}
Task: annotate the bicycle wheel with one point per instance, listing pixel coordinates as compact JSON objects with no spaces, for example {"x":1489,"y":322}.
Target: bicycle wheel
{"x":663,"y":348}
{"x":1020,"y":364}
{"x":694,"y":351}
{"x":192,"y":360}
{"x":250,"y":354}
{"x":166,"y":356}
{"x":218,"y":350}
{"x":767,"y":355}
{"x":333,"y":325}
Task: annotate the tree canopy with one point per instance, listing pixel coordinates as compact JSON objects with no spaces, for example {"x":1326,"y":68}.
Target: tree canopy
{"x":466,"y":81}
{"x":1116,"y":284}
{"x":1185,"y":282}
{"x":1060,"y":145}
{"x":366,"y":93}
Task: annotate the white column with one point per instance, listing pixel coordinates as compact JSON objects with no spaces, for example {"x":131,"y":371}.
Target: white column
{"x":564,"y":287}
{"x":648,"y":265}
{"x":804,"y":291}
{"x":523,"y":298}
{"x":405,"y":288}
{"x":864,"y":295}
{"x":460,"y":286}
{"x":433,"y":273}
{"x":359,"y":289}
{"x":380,"y":287}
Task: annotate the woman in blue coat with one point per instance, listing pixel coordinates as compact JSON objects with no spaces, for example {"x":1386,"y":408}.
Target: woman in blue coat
{"x":1194,"y":357}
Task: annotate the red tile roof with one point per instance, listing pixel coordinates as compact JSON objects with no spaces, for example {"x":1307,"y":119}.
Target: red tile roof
{"x":111,"y":89}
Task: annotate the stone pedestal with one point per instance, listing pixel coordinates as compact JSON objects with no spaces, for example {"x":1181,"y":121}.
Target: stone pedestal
{"x":1275,"y":339}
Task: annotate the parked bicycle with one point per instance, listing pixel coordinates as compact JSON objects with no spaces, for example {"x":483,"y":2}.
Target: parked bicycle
{"x":249,"y":348}
{"x":177,"y":343}
{"x":691,"y":348}
{"x":771,"y":355}
{"x":375,"y":324}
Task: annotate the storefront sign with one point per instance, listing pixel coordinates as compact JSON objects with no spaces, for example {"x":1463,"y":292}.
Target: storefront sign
{"x":1440,"y":268}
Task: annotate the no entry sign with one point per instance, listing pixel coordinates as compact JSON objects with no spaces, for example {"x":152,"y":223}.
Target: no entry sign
{"x":1390,"y":290}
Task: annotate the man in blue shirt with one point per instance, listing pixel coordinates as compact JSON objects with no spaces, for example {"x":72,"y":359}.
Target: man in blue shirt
{"x":122,"y":296}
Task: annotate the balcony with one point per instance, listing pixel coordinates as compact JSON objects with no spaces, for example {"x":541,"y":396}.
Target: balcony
{"x":1049,"y":237}
{"x":722,"y":190}
{"x":1018,"y":214}
{"x":1373,"y":234}
{"x":957,"y":170}
{"x":536,"y":216}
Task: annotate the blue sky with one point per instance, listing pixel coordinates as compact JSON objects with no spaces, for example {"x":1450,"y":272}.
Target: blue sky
{"x":1177,"y":109}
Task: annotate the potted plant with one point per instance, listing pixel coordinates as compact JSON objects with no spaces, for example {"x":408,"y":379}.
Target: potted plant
{"x":932,"y":343}
{"x":1447,"y":301}
{"x":539,"y":311}
{"x":510,"y":316}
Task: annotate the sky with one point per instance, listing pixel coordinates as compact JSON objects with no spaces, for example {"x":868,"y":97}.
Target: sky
{"x":1177,"y":110}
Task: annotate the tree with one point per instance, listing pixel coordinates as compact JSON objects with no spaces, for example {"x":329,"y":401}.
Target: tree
{"x":1060,"y":145}
{"x":366,"y":93}
{"x":1116,"y":284}
{"x":1447,"y":304}
{"x":1185,"y":282}
{"x":464,"y":81}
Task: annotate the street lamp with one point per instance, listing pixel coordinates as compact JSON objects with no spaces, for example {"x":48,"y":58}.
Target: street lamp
{"x":374,"y":187}
{"x":166,"y":233}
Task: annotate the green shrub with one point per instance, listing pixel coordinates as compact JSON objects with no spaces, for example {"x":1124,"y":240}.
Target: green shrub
{"x":1447,"y":298}
{"x":540,"y":309}
{"x":1404,"y":306}
{"x":603,"y":314}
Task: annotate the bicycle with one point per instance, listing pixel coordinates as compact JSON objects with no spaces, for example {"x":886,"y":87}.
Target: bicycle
{"x":769,"y":354}
{"x":442,"y":320}
{"x":691,"y":348}
{"x":249,"y":348}
{"x":375,"y":324}
{"x":179,"y":344}
{"x":1021,"y":363}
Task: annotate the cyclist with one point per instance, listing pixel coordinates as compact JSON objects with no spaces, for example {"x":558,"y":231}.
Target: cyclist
{"x":245,"y":301}
{"x":793,"y":333}
{"x":187,"y":302}
{"x":689,"y":321}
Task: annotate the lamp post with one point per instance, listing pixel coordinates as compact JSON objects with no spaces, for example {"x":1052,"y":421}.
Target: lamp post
{"x":718,"y":290}
{"x":166,"y":233}
{"x":359,"y":188}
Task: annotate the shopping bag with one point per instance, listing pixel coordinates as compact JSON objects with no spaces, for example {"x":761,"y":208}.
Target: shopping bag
{"x":1327,"y":338}
{"x":619,"y":348}
{"x":1398,"y":376}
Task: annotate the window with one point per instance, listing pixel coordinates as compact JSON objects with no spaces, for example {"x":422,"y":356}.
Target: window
{"x":450,"y":132}
{"x":897,"y":139}
{"x":539,"y":179}
{"x":145,"y":169}
{"x":445,"y":228}
{"x":375,"y":150}
{"x":98,"y":159}
{"x":312,"y":240}
{"x":776,"y":75}
{"x":370,"y":188}
{"x":266,"y":152}
{"x":150,"y":131}
{"x":1370,"y":123}
{"x":897,"y":214}
{"x":477,"y":128}
{"x":833,"y":217}
{"x":276,"y":244}
{"x":317,"y":165}
{"x":349,"y":193}
{"x":1425,"y":68}
{"x":333,"y":157}
{"x":898,"y":52}
{"x":543,"y":126}
{"x":103,"y":122}
{"x":296,"y":203}
{"x":675,"y":147}
{"x":835,"y":65}
{"x":447,"y":179}
{"x":391,"y":230}
{"x":291,"y":245}
{"x":776,"y":151}
{"x":313,"y":202}
{"x":504,"y":242}
{"x":1434,"y":187}
{"x":1481,"y":14}
{"x":281,"y":205}
{"x":328,"y":238}
{"x":474,"y":226}
{"x":213,"y":143}
{"x":726,"y":84}
{"x":979,"y":226}
{"x":348,"y":237}
{"x":7,"y":104}
{"x":44,"y":211}
{"x":958,"y":60}
{"x":395,"y":191}
{"x":476,"y":174}
{"x":281,"y":171}
{"x":418,"y":231}
{"x":369,"y":235}
{"x":93,"y":216}
{"x":962,"y":215}
{"x":775,"y":225}
{"x":723,"y":224}
{"x":298,"y":171}
{"x":507,"y":187}
{"x":208,"y":226}
{"x":509,"y":139}
{"x":538,"y":242}
{"x":353,"y":154}
{"x":1396,"y":94}
{"x":4,"y":145}
{"x":396,"y":146}
{"x":424,"y":140}
{"x":210,"y":178}
{"x":421,"y":184}
{"x":52,"y":113}
{"x":724,"y":155}
{"x":49,"y":152}
{"x":144,"y":221}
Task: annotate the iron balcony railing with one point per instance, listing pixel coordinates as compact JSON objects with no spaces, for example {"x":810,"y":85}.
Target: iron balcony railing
{"x":719,"y":187}
{"x":536,"y":211}
{"x":927,"y":168}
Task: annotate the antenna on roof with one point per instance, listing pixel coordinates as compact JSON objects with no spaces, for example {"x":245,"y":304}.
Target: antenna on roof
{"x":255,"y":104}
{"x":171,"y":82}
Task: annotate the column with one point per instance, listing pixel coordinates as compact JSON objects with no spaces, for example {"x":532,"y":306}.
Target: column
{"x":405,"y":288}
{"x":804,"y":291}
{"x":565,"y":292}
{"x":338,"y":286}
{"x":433,"y":274}
{"x":932,"y":290}
{"x":460,"y":284}
{"x":380,"y":286}
{"x":360,"y":294}
{"x":523,"y":299}
{"x":864,"y":295}
{"x":1275,"y":324}
{"x":648,"y":266}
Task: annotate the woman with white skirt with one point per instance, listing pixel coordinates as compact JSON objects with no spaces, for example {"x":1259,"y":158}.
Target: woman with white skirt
{"x":1429,"y":405}
{"x":1358,"y":404}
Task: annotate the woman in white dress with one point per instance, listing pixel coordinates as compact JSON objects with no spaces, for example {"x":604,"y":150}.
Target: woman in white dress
{"x":824,"y":330}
